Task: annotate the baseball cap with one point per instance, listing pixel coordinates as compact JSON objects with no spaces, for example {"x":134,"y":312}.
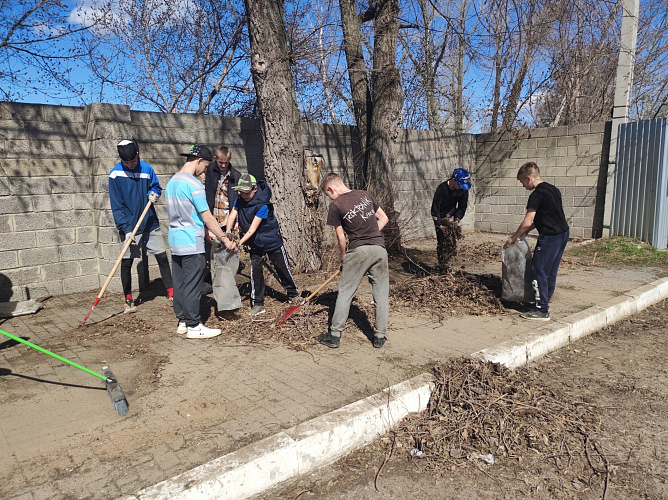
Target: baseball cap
{"x":246,"y":183}
{"x":462,"y":178}
{"x":127,"y":149}
{"x":200,"y":151}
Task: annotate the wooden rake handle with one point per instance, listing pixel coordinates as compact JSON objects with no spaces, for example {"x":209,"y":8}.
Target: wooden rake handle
{"x":125,"y":248}
{"x":338,"y":271}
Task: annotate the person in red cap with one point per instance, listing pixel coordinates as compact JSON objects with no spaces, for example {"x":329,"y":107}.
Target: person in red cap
{"x":132,"y":183}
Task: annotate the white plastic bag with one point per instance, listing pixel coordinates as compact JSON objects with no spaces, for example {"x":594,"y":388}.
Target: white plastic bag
{"x":224,"y":266}
{"x":516,"y":272}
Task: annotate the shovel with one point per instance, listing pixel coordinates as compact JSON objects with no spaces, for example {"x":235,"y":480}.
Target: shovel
{"x":128,"y":242}
{"x":289,"y":312}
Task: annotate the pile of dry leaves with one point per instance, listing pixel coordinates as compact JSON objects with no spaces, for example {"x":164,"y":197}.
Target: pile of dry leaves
{"x":449,"y":294}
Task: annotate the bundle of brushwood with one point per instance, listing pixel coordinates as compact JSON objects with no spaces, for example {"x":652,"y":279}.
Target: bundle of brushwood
{"x":483,"y":413}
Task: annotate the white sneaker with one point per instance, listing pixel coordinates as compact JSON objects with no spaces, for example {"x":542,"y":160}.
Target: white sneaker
{"x":183,"y":328}
{"x":202,"y":332}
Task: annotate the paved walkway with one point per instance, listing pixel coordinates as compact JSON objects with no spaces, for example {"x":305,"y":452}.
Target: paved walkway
{"x":61,"y":438}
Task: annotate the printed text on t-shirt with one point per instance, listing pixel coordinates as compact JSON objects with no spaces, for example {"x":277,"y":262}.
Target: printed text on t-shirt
{"x":359,"y":209}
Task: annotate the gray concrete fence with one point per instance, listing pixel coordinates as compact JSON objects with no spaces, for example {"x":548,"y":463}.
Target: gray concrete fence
{"x":57,"y":233}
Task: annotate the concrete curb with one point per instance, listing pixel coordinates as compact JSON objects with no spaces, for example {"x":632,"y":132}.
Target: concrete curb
{"x":298,"y":450}
{"x":520,"y":351}
{"x":261,"y":466}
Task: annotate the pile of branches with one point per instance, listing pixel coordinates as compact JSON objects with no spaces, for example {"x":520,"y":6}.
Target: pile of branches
{"x":450,"y":294}
{"x":451,"y":234}
{"x":480,"y":410}
{"x":299,"y":331}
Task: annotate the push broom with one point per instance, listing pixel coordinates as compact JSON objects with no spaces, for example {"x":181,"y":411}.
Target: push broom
{"x":128,"y":242}
{"x":113,"y":389}
{"x":289,"y":312}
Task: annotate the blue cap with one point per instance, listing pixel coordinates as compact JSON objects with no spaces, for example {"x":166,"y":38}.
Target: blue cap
{"x":462,"y":178}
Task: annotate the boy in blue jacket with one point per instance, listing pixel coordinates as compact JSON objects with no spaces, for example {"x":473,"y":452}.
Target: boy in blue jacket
{"x":132,"y":183}
{"x":260,"y":231}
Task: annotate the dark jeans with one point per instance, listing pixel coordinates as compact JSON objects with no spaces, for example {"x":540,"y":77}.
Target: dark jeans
{"x":545,"y":264}
{"x":280,"y":261}
{"x":188,"y":274}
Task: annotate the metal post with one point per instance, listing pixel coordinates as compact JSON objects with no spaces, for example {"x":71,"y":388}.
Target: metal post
{"x":623,"y":85}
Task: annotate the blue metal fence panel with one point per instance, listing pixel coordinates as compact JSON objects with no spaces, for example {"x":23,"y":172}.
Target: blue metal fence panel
{"x":640,"y":197}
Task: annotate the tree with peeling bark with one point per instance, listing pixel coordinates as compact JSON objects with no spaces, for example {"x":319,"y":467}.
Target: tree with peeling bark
{"x":300,"y":216}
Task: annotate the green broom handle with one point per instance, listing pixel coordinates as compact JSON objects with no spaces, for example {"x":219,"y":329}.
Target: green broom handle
{"x":53,"y":354}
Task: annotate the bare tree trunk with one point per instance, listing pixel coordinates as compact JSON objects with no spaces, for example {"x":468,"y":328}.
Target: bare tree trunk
{"x":511,"y":110}
{"x":280,"y":125}
{"x":359,"y":87}
{"x":387,"y":96}
{"x":459,"y":76}
{"x":322,"y":70}
{"x":496,"y":93}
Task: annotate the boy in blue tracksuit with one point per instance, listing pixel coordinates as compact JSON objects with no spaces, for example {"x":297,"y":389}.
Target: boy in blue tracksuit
{"x":132,"y":184}
{"x":259,"y":230}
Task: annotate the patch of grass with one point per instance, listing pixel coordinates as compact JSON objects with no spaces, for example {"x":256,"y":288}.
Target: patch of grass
{"x":414,"y":371}
{"x":623,"y":249}
{"x":584,"y":307}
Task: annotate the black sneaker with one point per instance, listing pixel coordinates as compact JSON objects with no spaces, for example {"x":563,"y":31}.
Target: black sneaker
{"x":536,"y":314}
{"x":329,"y":340}
{"x":379,"y":342}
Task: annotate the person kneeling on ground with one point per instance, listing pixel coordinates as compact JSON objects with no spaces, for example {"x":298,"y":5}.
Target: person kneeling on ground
{"x":545,"y":212}
{"x":358,"y":215}
{"x":188,"y":214}
{"x":260,"y":231}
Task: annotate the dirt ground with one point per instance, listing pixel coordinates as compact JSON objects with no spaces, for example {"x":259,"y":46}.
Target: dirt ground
{"x":171,"y":407}
{"x":619,"y":375}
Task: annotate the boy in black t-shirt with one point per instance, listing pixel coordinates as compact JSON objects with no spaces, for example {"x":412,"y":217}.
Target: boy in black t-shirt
{"x":356,"y":213}
{"x":545,"y":212}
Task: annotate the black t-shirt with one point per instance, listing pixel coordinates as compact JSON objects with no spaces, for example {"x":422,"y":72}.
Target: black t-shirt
{"x":546,"y":201}
{"x":355,"y":211}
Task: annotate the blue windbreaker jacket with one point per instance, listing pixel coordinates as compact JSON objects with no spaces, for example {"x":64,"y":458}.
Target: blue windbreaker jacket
{"x":128,"y":195}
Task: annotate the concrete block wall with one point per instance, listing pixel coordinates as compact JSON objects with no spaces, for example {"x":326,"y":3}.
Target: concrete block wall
{"x":57,"y":233}
{"x":48,"y":242}
{"x":573,"y":158}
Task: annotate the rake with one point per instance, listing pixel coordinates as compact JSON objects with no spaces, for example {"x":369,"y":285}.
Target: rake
{"x":289,"y":312}
{"x":113,"y":389}
{"x":118,"y":261}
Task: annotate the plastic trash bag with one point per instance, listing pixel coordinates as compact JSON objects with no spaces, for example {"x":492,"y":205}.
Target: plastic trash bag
{"x":516,"y":272}
{"x":224,"y":266}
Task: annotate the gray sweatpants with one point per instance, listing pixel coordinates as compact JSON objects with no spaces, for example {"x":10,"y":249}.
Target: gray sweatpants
{"x":368,"y":260}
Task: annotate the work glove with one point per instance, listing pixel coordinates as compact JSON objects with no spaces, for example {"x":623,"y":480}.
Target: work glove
{"x":128,"y":236}
{"x":153,"y":197}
